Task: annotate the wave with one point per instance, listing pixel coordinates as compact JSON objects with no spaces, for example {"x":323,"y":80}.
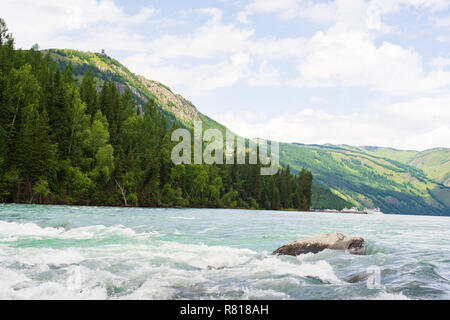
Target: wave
{"x":157,"y":270}
{"x":371,"y":247}
{"x":14,"y":230}
{"x":27,"y":229}
{"x":206,"y":230}
{"x":117,"y":262}
{"x":389,"y":296}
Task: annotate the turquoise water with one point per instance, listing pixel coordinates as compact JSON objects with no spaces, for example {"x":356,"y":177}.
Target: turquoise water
{"x":68,"y":252}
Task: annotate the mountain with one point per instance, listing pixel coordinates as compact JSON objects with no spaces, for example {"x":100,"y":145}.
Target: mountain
{"x":369,"y":177}
{"x":435,"y":163}
{"x":397,"y":181}
{"x":174,"y":106}
{"x":403,"y":156}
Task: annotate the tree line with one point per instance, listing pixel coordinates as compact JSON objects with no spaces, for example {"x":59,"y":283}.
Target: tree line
{"x":65,"y":142}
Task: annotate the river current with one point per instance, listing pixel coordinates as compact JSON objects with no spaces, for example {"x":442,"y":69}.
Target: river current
{"x":71,"y":252}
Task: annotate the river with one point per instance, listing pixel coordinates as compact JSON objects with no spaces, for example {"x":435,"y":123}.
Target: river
{"x":71,"y":252}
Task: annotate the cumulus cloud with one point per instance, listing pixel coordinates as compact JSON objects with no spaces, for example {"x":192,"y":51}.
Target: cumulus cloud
{"x":352,"y":59}
{"x":47,"y":21}
{"x":416,"y":124}
{"x":289,"y":9}
{"x":319,"y":100}
{"x":346,"y":54}
{"x":225,"y":53}
{"x":346,"y":48}
{"x":199,"y":79}
{"x":325,"y":12}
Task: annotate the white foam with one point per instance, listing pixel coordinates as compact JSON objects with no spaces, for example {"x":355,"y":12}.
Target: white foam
{"x":54,"y":290}
{"x":8,"y":279}
{"x":256,"y":294}
{"x":207,"y":230}
{"x":27,"y":229}
{"x":203,"y":256}
{"x":184,"y":218}
{"x":389,"y":296}
{"x":98,"y":231}
{"x":151,"y":290}
{"x":11,"y":231}
{"x":44,"y":256}
{"x":274,"y":265}
{"x":148,"y":270}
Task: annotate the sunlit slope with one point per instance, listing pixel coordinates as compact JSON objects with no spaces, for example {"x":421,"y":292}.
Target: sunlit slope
{"x":435,"y":163}
{"x":367,"y":180}
{"x":403,"y":156}
{"x":397,"y":181}
{"x":174,"y":106}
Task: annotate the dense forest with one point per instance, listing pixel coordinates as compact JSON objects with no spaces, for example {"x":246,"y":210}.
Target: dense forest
{"x":67,"y":143}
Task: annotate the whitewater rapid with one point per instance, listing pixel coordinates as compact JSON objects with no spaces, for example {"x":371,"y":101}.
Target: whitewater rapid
{"x":45,"y":253}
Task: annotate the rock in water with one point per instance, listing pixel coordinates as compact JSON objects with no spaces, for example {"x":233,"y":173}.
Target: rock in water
{"x":359,"y":277}
{"x":335,"y":241}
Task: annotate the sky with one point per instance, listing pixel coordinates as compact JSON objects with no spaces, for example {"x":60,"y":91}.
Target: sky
{"x":356,"y":72}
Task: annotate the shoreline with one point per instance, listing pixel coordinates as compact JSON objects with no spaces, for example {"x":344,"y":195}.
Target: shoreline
{"x":249,"y":209}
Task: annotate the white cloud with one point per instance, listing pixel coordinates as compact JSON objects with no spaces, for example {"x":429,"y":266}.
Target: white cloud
{"x":265,"y":76}
{"x":198,"y":79}
{"x":46,"y":21}
{"x":328,"y":12}
{"x":319,"y":100}
{"x":226,"y":54}
{"x":440,"y":62}
{"x":432,"y":5}
{"x":348,"y":52}
{"x":216,"y":14}
{"x":143,"y":15}
{"x":351,"y":59}
{"x":289,"y":9}
{"x":415,"y":124}
{"x":343,"y":55}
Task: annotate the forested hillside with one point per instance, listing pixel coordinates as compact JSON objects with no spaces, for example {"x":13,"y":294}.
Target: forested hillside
{"x":435,"y":163}
{"x":69,"y":142}
{"x":369,"y":180}
{"x":174,"y":107}
{"x":74,"y":85}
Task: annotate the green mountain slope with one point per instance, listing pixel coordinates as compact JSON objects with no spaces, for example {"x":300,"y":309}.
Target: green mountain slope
{"x":435,"y":163}
{"x":397,"y":181}
{"x":403,"y":156}
{"x":174,"y":106}
{"x":367,"y":180}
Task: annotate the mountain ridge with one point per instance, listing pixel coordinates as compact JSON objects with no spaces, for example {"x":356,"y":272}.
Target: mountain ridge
{"x":367,"y":176}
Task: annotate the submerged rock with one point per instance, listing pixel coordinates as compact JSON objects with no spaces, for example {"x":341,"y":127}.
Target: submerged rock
{"x":335,"y":241}
{"x":358,"y":277}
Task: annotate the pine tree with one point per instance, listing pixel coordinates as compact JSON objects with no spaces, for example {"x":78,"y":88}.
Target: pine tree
{"x":88,"y":92}
{"x":3,"y":151}
{"x":68,"y":144}
{"x":44,"y":151}
{"x":276,"y":201}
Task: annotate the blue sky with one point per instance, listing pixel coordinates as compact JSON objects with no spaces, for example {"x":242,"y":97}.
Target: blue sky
{"x":360,"y":72}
